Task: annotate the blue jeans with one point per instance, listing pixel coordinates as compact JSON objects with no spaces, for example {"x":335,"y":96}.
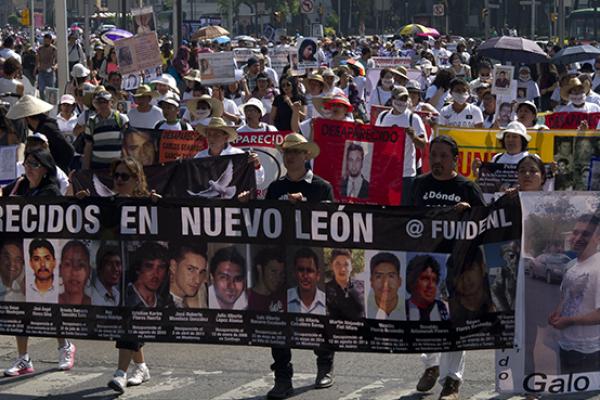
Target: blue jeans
{"x":45,"y":79}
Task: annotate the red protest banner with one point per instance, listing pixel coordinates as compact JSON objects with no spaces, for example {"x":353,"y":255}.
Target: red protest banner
{"x":571,"y":120}
{"x":363,"y":163}
{"x":265,"y":145}
{"x":176,"y":145}
{"x":375,"y":111}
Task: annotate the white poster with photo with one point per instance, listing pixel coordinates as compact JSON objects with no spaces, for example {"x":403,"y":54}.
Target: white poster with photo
{"x":143,"y":20}
{"x":504,"y":111}
{"x":557,"y":332}
{"x":502,"y":82}
{"x":391,"y":62}
{"x":216,"y":68}
{"x":307,"y":53}
{"x":138,"y":53}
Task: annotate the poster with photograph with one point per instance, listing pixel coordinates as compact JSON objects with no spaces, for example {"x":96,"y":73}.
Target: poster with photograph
{"x":504,"y":114}
{"x":307,"y":53}
{"x":362,"y":162}
{"x":216,"y":68}
{"x":503,"y":84}
{"x":138,"y":53}
{"x":557,"y":348}
{"x":143,"y":20}
{"x":131,"y":82}
{"x":51,"y":95}
{"x":573,"y":155}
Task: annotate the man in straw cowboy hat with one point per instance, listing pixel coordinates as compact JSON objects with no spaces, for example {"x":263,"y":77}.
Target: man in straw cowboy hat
{"x":33,"y":111}
{"x":219,"y":136}
{"x":299,"y":184}
{"x":145,"y":116}
{"x":200,"y":110}
{"x":575,"y":91}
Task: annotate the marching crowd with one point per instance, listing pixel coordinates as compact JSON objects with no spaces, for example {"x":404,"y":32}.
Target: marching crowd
{"x":88,"y":129}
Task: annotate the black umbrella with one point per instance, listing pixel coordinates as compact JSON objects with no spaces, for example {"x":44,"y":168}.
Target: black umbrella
{"x":573,"y":54}
{"x":513,"y":49}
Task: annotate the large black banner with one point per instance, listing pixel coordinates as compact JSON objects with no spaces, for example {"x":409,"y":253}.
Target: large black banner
{"x":348,"y":277}
{"x":211,"y":178}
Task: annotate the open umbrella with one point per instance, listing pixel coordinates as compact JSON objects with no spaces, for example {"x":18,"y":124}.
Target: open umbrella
{"x":222,"y":40}
{"x":245,"y":38}
{"x":210,"y":32}
{"x":573,"y":54}
{"x":357,"y":64}
{"x":513,"y":49}
{"x":419,"y":30}
{"x":110,"y":37}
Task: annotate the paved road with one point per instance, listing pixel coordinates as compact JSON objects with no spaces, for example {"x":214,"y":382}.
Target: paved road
{"x":226,"y":373}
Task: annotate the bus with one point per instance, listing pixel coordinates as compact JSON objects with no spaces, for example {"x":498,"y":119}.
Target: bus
{"x":583,"y":24}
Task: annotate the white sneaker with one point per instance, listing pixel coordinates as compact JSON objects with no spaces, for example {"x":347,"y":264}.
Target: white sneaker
{"x":118,"y":382}
{"x":140,"y":374}
{"x":66,"y":357}
{"x":21,"y":366}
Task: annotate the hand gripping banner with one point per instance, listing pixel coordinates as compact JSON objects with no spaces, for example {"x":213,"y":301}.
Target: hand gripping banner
{"x":345,"y":277}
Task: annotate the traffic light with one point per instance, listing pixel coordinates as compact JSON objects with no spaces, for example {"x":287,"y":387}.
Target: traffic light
{"x":554,"y":17}
{"x":25,"y":17}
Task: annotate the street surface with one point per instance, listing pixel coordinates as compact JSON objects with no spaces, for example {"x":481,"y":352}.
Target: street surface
{"x":226,"y":373}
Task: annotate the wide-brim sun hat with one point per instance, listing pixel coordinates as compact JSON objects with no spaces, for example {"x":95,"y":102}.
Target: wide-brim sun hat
{"x":296,"y":141}
{"x":572,"y":84}
{"x":514,"y":127}
{"x":325,"y":103}
{"x":80,"y":71}
{"x":28,"y":106}
{"x":254,"y":102}
{"x":220,"y":124}
{"x":193,"y":76}
{"x":145,"y":90}
{"x":216,"y":106}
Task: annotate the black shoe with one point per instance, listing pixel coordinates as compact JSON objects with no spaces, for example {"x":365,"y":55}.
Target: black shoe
{"x":450,"y":389}
{"x":428,"y":379}
{"x":324,"y":380}
{"x":282,"y":390}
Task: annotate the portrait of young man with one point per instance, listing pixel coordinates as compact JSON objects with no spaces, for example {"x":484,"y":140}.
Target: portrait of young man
{"x":188,"y":275}
{"x":228,"y":280}
{"x":42,"y":261}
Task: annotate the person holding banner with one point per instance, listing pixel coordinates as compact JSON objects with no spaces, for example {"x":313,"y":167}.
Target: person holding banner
{"x":401,"y":116}
{"x":577,"y":315}
{"x":219,"y":135}
{"x":443,"y":186}
{"x":254,"y":111}
{"x":515,"y":140}
{"x":336,"y":108}
{"x":527,"y":115}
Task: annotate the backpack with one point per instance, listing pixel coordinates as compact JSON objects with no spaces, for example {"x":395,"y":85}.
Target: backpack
{"x":79,"y":142}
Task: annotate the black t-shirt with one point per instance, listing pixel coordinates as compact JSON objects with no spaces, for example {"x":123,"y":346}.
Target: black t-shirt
{"x":283,"y":119}
{"x":430,"y":192}
{"x":316,"y":191}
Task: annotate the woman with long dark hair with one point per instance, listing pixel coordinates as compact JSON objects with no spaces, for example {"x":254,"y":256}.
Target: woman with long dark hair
{"x":281,"y":112}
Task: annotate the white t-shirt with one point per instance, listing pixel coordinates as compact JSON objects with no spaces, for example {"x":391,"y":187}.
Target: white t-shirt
{"x":264,"y":127}
{"x":531,"y":90}
{"x":178,"y":126}
{"x":9,"y":86}
{"x":505,"y":158}
{"x":469,"y":117}
{"x":587,"y":108}
{"x":7,"y":53}
{"x":580,"y":293}
{"x":379,"y":97}
{"x":402,"y":121}
{"x":230,"y":107}
{"x":145,"y":120}
{"x":441,"y":56}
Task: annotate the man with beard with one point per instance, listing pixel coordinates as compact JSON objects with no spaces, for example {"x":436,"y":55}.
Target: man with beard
{"x":443,"y":186}
{"x":75,"y":272}
{"x":46,"y":64}
{"x":268,"y":294}
{"x":188,"y":275}
{"x":105,"y":290}
{"x":577,"y":315}
{"x":12,"y":281}
{"x":355,"y":185}
{"x":43,"y":263}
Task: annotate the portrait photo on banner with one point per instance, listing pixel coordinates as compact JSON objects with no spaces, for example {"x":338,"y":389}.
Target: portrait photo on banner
{"x":345,"y":293}
{"x":561,"y":288}
{"x":502,"y":81}
{"x":573,"y":156}
{"x":305,"y":280}
{"x":356,"y":169}
{"x":307,"y":53}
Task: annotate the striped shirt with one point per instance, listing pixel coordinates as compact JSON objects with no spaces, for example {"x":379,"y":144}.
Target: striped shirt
{"x":106,"y":137}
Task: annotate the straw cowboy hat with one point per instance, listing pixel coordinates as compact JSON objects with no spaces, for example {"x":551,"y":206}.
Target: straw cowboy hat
{"x":572,"y":84}
{"x":253,"y":101}
{"x":402,"y":72}
{"x":298,"y":142}
{"x":28,"y":106}
{"x":315,"y":77}
{"x":514,"y":127}
{"x":220,"y":124}
{"x":216,"y":106}
{"x":324,"y":103}
{"x":193,"y":76}
{"x":144,"y":90}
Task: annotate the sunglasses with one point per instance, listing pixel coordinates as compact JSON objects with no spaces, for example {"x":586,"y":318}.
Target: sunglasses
{"x":33,"y":164}
{"x":122,"y":176}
